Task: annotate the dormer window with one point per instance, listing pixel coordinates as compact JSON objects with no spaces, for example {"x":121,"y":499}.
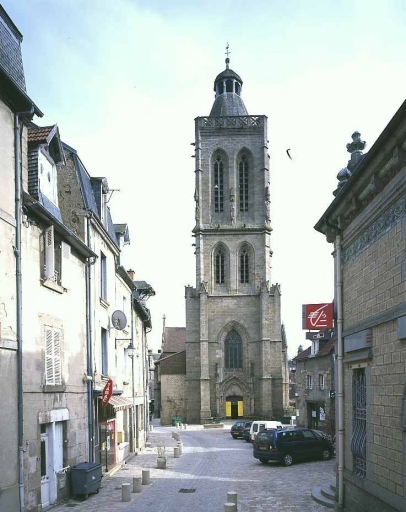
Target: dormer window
{"x":47,"y":176}
{"x":315,"y":347}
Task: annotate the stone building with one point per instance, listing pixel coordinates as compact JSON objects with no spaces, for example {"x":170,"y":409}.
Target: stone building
{"x":170,"y":372}
{"x":236,"y":361}
{"x":314,"y":390}
{"x":16,"y":109}
{"x":367,"y":223}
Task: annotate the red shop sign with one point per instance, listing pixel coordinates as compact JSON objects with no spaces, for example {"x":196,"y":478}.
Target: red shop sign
{"x":318,"y":316}
{"x":107,"y":392}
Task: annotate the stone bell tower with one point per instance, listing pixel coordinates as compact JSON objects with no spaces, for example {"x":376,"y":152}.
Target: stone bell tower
{"x":235,"y":357}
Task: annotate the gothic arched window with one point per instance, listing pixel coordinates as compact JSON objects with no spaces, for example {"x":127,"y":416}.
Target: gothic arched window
{"x":244,"y":267}
{"x":233,"y":351}
{"x":219,"y":267}
{"x":218,"y":185}
{"x":243,"y":183}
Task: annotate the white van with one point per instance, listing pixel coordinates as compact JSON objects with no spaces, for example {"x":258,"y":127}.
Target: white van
{"x":259,"y":426}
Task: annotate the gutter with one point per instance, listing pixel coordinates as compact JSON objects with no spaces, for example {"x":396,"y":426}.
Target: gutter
{"x":338,"y":294}
{"x":19,"y":298}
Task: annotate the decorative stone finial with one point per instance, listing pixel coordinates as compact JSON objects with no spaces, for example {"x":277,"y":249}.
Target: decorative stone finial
{"x":343,"y":176}
{"x":357,"y":144}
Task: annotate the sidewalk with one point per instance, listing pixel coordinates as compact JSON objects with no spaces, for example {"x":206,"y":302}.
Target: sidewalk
{"x":109,"y":496}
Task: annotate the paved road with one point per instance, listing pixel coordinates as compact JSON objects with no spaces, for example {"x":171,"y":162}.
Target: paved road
{"x":212,"y":464}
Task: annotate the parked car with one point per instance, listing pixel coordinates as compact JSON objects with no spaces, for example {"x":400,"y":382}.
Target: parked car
{"x":292,"y":444}
{"x":238,"y":428}
{"x":246,"y":434}
{"x":259,"y":426}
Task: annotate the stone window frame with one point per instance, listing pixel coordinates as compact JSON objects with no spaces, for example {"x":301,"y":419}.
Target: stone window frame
{"x":221,"y":248}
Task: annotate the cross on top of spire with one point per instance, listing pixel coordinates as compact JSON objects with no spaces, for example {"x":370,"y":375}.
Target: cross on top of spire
{"x":227,"y":52}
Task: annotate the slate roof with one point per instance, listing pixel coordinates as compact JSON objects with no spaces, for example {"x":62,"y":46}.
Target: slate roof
{"x":10,"y":50}
{"x":227,"y":73}
{"x":174,"y":340}
{"x":228,"y":104}
{"x":324,"y":351}
{"x":89,"y":199}
{"x":12,"y":80}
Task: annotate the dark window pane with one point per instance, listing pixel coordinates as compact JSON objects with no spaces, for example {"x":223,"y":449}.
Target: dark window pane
{"x":233,"y":351}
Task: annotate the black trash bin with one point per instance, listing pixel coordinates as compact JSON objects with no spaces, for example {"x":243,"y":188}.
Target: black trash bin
{"x":85,"y":478}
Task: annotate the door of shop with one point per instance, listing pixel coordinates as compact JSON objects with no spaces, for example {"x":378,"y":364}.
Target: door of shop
{"x":107,"y":444}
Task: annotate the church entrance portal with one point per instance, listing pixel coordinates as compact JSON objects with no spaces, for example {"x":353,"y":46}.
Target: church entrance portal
{"x":234,"y":407}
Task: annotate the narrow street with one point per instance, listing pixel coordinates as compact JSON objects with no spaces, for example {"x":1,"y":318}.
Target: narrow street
{"x":212,"y":464}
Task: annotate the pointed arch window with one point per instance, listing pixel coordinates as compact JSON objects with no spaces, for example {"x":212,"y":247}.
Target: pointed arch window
{"x":243,"y":183}
{"x":218,"y":185}
{"x":244,"y":267}
{"x":233,"y":351}
{"x":219,"y":267}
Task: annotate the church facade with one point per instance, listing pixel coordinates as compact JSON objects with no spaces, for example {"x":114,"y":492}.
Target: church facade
{"x":236,"y":354}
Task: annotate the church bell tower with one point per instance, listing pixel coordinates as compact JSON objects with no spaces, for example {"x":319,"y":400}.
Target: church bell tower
{"x":235,"y":356}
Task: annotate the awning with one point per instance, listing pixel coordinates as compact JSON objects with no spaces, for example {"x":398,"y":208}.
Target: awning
{"x":120,"y":402}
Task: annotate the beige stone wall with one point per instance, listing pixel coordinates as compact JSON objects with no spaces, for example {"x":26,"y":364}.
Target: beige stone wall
{"x":173,"y":401}
{"x":373,"y":282}
{"x":374,"y":289}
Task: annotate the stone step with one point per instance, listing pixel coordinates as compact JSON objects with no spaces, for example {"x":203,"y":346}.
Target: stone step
{"x":328,"y":492}
{"x":319,"y":497}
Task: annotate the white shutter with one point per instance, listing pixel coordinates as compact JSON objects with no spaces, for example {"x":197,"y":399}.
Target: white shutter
{"x":53,"y":364}
{"x":66,"y":265}
{"x":57,"y":357}
{"x":49,"y":253}
{"x":49,"y":356}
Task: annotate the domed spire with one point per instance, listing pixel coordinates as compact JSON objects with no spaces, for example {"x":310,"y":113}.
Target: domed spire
{"x":227,"y":87}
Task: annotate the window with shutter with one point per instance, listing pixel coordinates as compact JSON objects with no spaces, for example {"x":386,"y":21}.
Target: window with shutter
{"x":49,"y":253}
{"x":53,"y":366}
{"x":66,"y":264}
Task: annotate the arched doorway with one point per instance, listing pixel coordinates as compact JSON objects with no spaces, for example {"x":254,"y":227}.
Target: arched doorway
{"x":234,"y":407}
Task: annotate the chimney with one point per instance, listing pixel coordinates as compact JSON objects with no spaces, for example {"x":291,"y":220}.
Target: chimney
{"x":131,"y":273}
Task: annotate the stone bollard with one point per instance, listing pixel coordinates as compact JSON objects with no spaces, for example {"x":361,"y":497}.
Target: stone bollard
{"x":176,"y":452}
{"x":176,"y":436}
{"x":181,"y":426}
{"x":125,"y":492}
{"x":177,"y":425}
{"x":136,"y":484}
{"x":230,"y":507}
{"x":146,"y":480}
{"x":173,"y":434}
{"x":184,"y":426}
{"x":232,"y":497}
{"x":180,"y":446}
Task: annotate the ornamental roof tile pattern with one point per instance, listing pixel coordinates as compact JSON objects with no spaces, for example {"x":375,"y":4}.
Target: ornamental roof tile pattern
{"x":174,"y":339}
{"x":228,"y":104}
{"x":39,"y":134}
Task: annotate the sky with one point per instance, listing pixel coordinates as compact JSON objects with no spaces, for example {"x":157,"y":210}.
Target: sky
{"x":124,"y":81}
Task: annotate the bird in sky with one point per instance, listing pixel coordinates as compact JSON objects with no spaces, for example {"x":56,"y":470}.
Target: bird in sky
{"x":287,"y":152}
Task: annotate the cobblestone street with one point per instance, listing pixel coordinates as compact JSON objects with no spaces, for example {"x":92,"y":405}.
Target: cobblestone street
{"x":212,"y":464}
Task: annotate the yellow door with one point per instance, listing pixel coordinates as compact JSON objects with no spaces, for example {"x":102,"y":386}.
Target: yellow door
{"x":240,"y":409}
{"x":228,"y":409}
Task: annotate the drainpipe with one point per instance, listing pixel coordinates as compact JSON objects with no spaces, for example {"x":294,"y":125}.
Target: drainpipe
{"x":132,"y":423}
{"x":340,"y":370}
{"x":89,"y":341}
{"x":19,"y":301}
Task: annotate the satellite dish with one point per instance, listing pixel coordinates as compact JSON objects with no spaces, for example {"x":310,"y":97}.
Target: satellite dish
{"x":119,"y":320}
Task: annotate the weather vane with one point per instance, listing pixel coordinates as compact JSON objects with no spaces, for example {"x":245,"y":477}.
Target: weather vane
{"x":227,"y":52}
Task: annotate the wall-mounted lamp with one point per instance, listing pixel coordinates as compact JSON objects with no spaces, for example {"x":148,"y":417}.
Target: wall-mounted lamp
{"x":130,"y":350}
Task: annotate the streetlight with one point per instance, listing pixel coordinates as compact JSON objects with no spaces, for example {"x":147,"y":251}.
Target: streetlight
{"x":131,"y":350}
